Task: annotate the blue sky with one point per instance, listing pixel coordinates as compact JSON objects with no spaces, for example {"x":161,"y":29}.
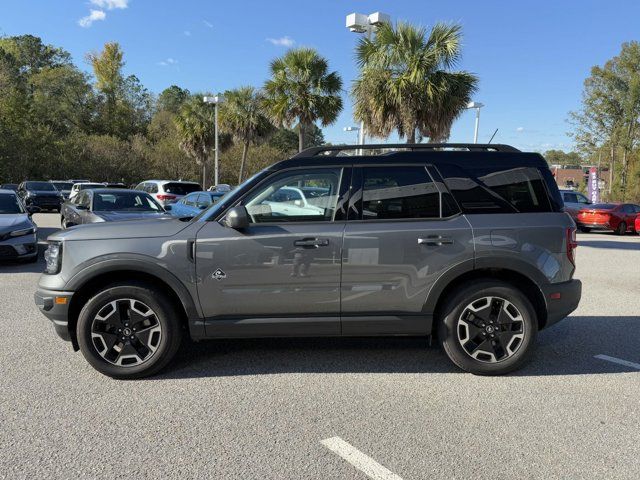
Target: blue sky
{"x":531,"y":56}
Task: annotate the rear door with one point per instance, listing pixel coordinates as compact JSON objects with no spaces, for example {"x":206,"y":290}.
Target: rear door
{"x":403,"y":233}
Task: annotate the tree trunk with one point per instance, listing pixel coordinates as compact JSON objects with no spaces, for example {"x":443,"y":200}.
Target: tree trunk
{"x":245,"y":150}
{"x":301,"y":130}
{"x":623,"y":175}
{"x":613,"y":162}
{"x":411,"y":138}
{"x":204,"y":175}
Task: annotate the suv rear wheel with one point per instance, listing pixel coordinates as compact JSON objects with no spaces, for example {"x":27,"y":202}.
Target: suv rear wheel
{"x":126,"y":331}
{"x":488,"y":328}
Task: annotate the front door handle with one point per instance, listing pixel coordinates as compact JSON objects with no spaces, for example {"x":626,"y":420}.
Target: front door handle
{"x":435,"y":240}
{"x":312,"y":242}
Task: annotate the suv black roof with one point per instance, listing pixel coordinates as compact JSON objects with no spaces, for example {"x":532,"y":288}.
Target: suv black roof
{"x":460,"y":153}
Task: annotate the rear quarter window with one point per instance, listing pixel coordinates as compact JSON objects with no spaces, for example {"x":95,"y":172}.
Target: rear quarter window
{"x":487,"y":189}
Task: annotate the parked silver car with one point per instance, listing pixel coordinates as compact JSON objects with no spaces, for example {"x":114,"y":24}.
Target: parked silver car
{"x":109,"y":205}
{"x":17,"y":230}
{"x":166,"y":192}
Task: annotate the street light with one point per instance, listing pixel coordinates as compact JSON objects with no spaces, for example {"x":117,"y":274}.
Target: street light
{"x":361,"y":23}
{"x":477,"y":106}
{"x":352,"y":129}
{"x":216,"y":100}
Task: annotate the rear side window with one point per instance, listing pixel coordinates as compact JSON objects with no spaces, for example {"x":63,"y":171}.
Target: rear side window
{"x":399,"y":193}
{"x":497,"y":189}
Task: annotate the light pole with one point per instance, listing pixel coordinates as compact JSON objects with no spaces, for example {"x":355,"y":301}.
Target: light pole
{"x":476,"y":106}
{"x":361,"y":23}
{"x":216,"y":100}
{"x":352,"y":129}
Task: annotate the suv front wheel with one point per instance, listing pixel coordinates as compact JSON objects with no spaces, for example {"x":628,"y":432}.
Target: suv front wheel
{"x":488,"y":328}
{"x":126,"y":331}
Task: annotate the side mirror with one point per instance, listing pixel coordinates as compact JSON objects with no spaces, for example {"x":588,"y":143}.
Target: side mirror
{"x":236,"y":218}
{"x":33,"y":209}
{"x":167,"y":208}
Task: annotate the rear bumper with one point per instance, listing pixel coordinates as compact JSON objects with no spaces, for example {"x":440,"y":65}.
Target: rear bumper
{"x":55,"y":306}
{"x":594,"y":226}
{"x":562,"y":299}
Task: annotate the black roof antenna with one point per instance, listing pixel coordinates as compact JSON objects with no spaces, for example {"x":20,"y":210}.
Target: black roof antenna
{"x":494,"y":134}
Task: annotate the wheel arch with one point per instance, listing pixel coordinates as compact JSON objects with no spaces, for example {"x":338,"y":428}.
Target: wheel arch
{"x":94,"y":278}
{"x":457,"y":277}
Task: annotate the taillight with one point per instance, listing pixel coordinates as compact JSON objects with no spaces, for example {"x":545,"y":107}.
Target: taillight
{"x":166,"y":197}
{"x":572,"y":244}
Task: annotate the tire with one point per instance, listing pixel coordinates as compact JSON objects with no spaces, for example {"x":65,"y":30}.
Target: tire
{"x":460,"y":325}
{"x":622,"y":228}
{"x":129,"y":352}
{"x":584,"y":229}
{"x":63,"y":223}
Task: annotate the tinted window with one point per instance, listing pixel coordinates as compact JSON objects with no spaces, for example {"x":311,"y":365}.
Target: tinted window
{"x":190,"y":199}
{"x":582,"y":199}
{"x":9,"y":204}
{"x":40,"y":186}
{"x":282,"y":199}
{"x":86,"y":186}
{"x":628,"y":209}
{"x":124,"y":201}
{"x":399,"y":192}
{"x":570,"y":197}
{"x":63,"y":185}
{"x":497,"y":190}
{"x":181,"y":188}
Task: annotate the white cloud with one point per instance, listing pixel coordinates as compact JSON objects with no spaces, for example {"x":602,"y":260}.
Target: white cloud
{"x":187,"y":33}
{"x":282,"y":41}
{"x":208,"y":24}
{"x":520,"y":129}
{"x":169,"y":61}
{"x":111,"y":4}
{"x":94,"y":16}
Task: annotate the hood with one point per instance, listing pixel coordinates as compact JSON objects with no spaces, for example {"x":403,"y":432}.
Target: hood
{"x":115,"y":216}
{"x":13,"y":221}
{"x":155,"y":227}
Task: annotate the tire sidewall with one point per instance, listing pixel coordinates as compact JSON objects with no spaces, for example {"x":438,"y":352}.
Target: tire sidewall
{"x":167,"y":317}
{"x":453,"y":310}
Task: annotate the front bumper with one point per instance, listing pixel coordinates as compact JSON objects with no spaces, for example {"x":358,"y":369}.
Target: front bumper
{"x":18,"y":248}
{"x":43,"y":202}
{"x":561,"y":299}
{"x":54,"y":305}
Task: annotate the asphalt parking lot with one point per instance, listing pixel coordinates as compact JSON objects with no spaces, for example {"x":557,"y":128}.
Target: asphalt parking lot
{"x":268,"y":409}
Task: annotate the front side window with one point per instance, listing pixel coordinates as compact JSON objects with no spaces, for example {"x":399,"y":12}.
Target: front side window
{"x":283,"y":198}
{"x":582,"y":199}
{"x":570,"y":198}
{"x":399,"y":193}
{"x":124,"y":201}
{"x":189,"y":200}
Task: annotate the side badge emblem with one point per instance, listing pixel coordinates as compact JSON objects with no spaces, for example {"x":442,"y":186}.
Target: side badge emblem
{"x":219,"y":275}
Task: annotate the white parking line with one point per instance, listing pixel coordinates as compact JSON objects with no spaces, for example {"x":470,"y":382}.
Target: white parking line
{"x":619,"y":361}
{"x":362,"y":462}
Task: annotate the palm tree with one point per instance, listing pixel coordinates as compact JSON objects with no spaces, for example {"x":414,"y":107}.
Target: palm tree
{"x":405,"y":83}
{"x":242,"y":117}
{"x":302,"y":90}
{"x":195,"y":125}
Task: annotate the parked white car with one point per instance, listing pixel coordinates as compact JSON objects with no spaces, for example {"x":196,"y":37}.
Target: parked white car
{"x":166,"y":192}
{"x":78,"y":187}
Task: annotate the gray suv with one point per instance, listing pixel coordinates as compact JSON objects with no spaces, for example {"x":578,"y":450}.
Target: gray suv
{"x":465,"y":243}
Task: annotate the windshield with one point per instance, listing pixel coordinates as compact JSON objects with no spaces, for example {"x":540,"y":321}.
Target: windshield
{"x":63,"y":185}
{"x":9,"y":204}
{"x":124,"y":201}
{"x":230,"y":197}
{"x":40,"y":186}
{"x":85,"y":186}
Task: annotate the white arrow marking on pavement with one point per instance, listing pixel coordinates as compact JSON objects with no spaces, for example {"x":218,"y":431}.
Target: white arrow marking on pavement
{"x":362,"y":462}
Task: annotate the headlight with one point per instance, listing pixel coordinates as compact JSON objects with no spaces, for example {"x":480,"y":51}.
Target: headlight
{"x":53,"y":257}
{"x":24,"y":231}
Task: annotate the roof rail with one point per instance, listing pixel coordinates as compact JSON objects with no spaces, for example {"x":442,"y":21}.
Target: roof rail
{"x":386,"y":148}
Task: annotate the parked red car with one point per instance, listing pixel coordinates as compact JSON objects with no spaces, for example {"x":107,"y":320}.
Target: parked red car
{"x":638,"y":224}
{"x":619,"y":217}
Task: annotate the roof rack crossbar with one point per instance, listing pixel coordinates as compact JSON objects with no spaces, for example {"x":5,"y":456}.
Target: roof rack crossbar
{"x":333,"y":150}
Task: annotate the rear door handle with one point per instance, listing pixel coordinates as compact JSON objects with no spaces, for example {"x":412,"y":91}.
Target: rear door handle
{"x":312,"y":242}
{"x":435,"y":240}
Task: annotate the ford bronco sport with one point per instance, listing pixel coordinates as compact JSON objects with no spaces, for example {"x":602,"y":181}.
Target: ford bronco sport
{"x":465,"y":243}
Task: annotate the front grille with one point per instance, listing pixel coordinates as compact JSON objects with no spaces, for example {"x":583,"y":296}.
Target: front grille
{"x":7,"y":251}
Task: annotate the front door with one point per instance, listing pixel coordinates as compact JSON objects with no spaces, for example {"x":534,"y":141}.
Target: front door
{"x":402,"y":239}
{"x":281,"y":275}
